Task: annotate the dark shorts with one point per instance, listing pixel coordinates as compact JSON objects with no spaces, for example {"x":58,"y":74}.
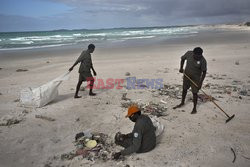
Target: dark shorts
{"x":187,"y":84}
{"x":85,"y":76}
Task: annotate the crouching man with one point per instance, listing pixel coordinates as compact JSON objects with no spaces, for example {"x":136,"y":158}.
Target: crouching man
{"x":141,"y":140}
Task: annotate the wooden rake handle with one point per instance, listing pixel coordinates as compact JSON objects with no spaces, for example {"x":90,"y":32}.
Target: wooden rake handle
{"x":206,"y":95}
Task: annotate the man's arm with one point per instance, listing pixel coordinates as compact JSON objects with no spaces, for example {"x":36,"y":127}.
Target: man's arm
{"x":93,"y":70}
{"x":181,"y":66}
{"x":137,"y":139}
{"x":71,"y":68}
{"x":183,"y":58}
{"x":80,"y":58}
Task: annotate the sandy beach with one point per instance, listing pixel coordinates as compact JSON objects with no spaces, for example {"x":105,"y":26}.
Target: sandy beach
{"x":202,"y":139}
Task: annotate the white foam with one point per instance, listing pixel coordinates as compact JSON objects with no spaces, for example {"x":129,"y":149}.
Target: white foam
{"x":34,"y":47}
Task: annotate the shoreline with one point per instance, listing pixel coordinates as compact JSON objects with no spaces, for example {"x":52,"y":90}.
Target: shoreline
{"x":202,"y":139}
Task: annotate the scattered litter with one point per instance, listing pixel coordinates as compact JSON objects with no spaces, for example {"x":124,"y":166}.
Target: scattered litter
{"x":1,"y":68}
{"x":245,"y":90}
{"x":152,"y":108}
{"x":163,"y":101}
{"x":234,"y":155}
{"x":205,"y":98}
{"x":1,"y":94}
{"x":92,"y":146}
{"x":127,"y":74}
{"x":237,"y":62}
{"x":173,"y":91}
{"x":124,"y":96}
{"x":213,"y":59}
{"x":17,"y":100}
{"x":68,"y":156}
{"x":47,"y":62}
{"x":9,"y":120}
{"x":45,"y":117}
{"x":21,"y":70}
{"x":155,"y":109}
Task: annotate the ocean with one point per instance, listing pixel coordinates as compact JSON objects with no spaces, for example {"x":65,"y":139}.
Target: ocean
{"x":42,"y":39}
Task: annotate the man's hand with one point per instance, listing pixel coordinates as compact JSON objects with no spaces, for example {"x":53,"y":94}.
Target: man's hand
{"x":181,"y":70}
{"x":94,"y":73}
{"x":117,"y":155}
{"x":119,"y":136}
{"x":71,"y":68}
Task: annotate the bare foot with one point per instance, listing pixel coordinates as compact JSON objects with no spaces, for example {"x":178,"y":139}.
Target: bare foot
{"x":178,"y":106}
{"x":76,"y":96}
{"x":92,"y":94}
{"x":194,"y":111}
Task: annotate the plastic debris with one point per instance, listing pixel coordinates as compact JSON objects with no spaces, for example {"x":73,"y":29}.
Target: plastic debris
{"x":21,"y":70}
{"x":45,"y":117}
{"x":9,"y":120}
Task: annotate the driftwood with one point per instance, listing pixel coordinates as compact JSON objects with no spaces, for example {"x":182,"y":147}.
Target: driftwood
{"x":45,"y":117}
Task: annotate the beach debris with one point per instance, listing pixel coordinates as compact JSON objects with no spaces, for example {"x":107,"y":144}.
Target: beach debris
{"x":124,"y":96}
{"x":245,"y":90}
{"x":45,"y":117}
{"x":127,"y":74}
{"x":164,"y":102}
{"x":152,"y":108}
{"x":1,"y":93}
{"x":21,"y":70}
{"x":47,"y":62}
{"x":155,"y":109}
{"x":91,"y":146}
{"x":213,"y":59}
{"x":237,"y":62}
{"x":17,"y":100}
{"x":10,"y":120}
{"x":173,"y":91}
{"x":1,"y":68}
{"x":68,"y":156}
{"x":129,"y":103}
{"x":234,"y":154}
{"x":236,"y":82}
{"x":205,"y":98}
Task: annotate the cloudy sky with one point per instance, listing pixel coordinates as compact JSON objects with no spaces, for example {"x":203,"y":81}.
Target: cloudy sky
{"x":28,"y":15}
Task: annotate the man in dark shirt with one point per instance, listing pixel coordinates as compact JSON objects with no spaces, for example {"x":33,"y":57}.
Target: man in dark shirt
{"x":84,"y":69}
{"x":142,"y":139}
{"x":196,"y":69}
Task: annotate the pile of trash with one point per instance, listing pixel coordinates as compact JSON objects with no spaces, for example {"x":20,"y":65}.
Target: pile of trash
{"x":92,"y":146}
{"x":151,"y":108}
{"x":173,"y":91}
{"x":155,"y":109}
{"x":10,"y":120}
{"x":236,"y":88}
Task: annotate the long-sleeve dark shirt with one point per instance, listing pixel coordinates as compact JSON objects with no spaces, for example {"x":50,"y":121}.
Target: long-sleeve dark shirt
{"x":143,"y":136}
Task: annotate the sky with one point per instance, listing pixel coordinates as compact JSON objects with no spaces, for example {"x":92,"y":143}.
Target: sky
{"x":37,"y":15}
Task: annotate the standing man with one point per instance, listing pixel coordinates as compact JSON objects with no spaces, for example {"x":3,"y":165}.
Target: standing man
{"x":84,"y":69}
{"x":142,"y":139}
{"x":196,"y":69}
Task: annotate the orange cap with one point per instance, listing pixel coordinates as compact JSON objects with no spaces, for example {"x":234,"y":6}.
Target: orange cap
{"x":131,"y":110}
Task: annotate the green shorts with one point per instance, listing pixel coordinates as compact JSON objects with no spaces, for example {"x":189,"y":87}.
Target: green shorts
{"x":187,"y":84}
{"x":85,"y":76}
